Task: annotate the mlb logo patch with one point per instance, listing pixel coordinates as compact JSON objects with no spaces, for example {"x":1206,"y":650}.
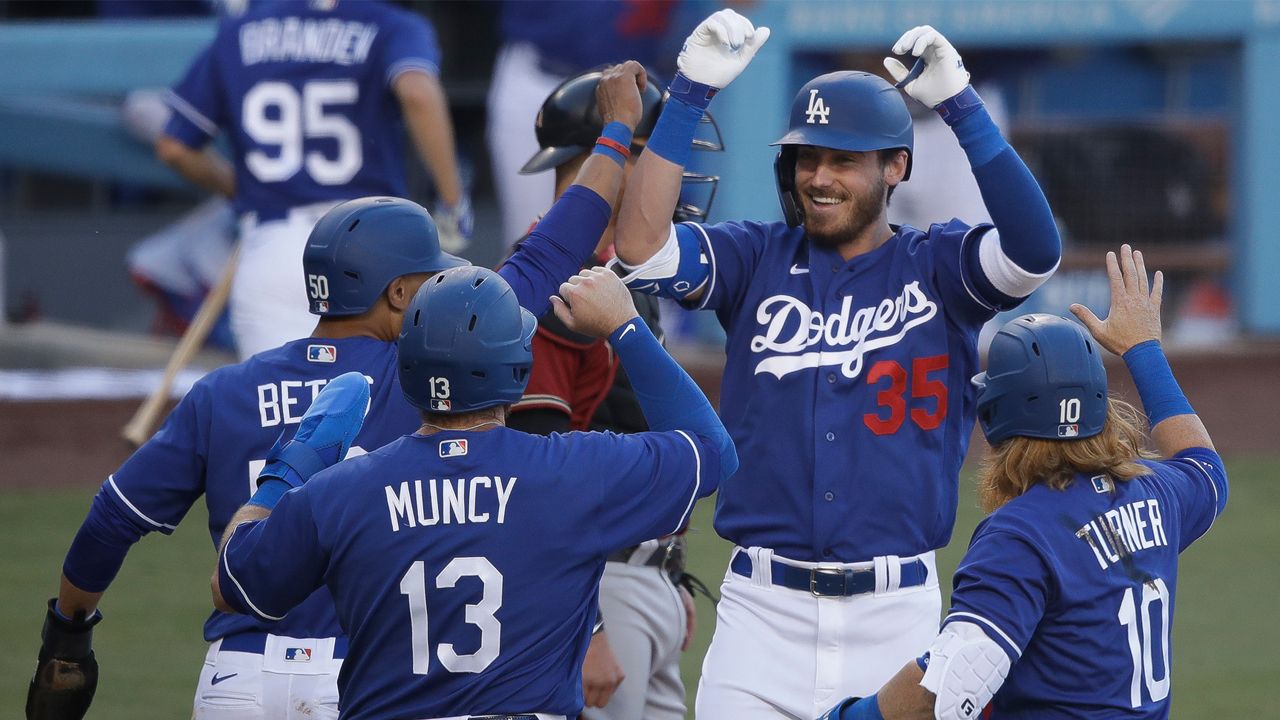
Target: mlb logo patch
{"x":297,"y":654}
{"x":322,"y":353}
{"x":453,"y":448}
{"x":1101,"y":484}
{"x":441,"y":405}
{"x":1068,"y":431}
{"x":322,"y":306}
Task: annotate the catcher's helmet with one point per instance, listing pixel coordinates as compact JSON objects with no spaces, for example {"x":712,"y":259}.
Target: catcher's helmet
{"x":360,"y":246}
{"x":466,"y":343}
{"x":845,"y":110}
{"x":1044,"y":379}
{"x":569,"y":123}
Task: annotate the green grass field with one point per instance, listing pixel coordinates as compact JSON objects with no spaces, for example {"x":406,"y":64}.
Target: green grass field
{"x":150,"y":648}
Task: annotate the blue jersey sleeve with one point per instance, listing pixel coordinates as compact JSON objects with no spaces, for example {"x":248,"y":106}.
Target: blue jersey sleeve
{"x":410,"y":45}
{"x":269,"y":566}
{"x":1197,"y":482}
{"x":732,"y":251}
{"x":650,"y":484}
{"x":556,"y":247}
{"x":196,"y":103}
{"x":160,"y":482}
{"x":1003,"y":586}
{"x":959,"y":278}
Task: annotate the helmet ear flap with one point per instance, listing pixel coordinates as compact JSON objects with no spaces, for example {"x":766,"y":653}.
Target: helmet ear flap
{"x":784,"y":171}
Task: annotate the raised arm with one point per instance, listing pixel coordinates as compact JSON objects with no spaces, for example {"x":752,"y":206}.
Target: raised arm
{"x":1132,"y":331}
{"x":1010,"y":263}
{"x":595,"y":302}
{"x":426,"y":116}
{"x":567,"y":235}
{"x":718,"y":50}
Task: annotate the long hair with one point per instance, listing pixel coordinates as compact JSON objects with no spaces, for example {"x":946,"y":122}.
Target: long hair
{"x":1017,"y":464}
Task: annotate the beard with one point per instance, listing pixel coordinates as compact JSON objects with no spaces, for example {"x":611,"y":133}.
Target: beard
{"x":861,"y":212}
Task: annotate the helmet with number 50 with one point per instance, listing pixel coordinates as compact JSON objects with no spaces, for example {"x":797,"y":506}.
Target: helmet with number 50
{"x":361,"y":245}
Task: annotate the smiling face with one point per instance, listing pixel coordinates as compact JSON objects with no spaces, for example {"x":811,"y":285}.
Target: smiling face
{"x":844,"y":192}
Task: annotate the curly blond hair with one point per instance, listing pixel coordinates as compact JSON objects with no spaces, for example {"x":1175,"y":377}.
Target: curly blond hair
{"x":1019,"y":463}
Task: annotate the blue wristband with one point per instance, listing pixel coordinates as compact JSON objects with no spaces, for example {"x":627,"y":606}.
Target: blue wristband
{"x":614,"y":142}
{"x":672,"y":136}
{"x":868,"y":708}
{"x":269,"y":493}
{"x":959,"y":106}
{"x":690,"y":92}
{"x":1161,"y":396}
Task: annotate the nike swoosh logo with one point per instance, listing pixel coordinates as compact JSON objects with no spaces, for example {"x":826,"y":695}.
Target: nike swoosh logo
{"x":630,"y":327}
{"x":217,"y":679}
{"x":797,"y":270}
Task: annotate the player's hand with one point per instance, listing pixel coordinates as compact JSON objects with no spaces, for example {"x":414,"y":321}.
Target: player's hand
{"x":690,"y":617}
{"x":454,"y":224}
{"x":618,"y":94}
{"x":594,"y":302}
{"x":1134,"y":316}
{"x":66,"y":672}
{"x":601,"y":673}
{"x":944,"y":75}
{"x":720,"y":48}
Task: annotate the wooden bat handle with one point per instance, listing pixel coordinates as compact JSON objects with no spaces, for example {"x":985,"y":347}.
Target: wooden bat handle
{"x":139,"y":428}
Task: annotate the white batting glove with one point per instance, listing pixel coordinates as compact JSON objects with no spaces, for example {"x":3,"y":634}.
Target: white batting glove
{"x":720,"y":48}
{"x":944,"y":75}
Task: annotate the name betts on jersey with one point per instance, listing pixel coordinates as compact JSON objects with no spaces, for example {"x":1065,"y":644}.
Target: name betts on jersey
{"x":790,"y":327}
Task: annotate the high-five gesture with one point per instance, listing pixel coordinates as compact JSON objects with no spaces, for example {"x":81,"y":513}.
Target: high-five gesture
{"x":944,"y":75}
{"x":1135,"y":305}
{"x":618,"y":94}
{"x":720,"y":48}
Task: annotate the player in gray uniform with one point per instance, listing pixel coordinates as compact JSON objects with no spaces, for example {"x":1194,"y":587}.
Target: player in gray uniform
{"x":632,"y":668}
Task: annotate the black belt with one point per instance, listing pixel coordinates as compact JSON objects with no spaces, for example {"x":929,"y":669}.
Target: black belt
{"x":831,"y":582}
{"x":658,"y":557}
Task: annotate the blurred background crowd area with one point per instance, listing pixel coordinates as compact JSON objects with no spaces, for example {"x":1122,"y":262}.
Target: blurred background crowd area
{"x":1133,"y":115}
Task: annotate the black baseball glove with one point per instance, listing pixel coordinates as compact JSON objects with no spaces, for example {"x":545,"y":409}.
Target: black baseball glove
{"x":66,"y":671}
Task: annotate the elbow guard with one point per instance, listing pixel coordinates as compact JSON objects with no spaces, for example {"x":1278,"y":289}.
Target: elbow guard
{"x":677,"y":270}
{"x":966,"y":668}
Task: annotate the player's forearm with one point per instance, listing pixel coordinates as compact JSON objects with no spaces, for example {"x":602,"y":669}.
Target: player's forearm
{"x":204,"y":168}
{"x":902,"y":698}
{"x":426,"y":114}
{"x":669,"y":398}
{"x":1174,"y":425}
{"x":1018,"y":208}
{"x":644,"y":219}
{"x":72,"y":599}
{"x":558,"y":245}
{"x":246,"y":513}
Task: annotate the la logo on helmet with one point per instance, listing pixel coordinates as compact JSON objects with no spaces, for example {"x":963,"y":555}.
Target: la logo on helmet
{"x":818,"y":110}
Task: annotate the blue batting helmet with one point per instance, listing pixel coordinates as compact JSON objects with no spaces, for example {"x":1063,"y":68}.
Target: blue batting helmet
{"x":360,"y":246}
{"x":846,"y":110}
{"x":1044,"y":379}
{"x":466,"y":343}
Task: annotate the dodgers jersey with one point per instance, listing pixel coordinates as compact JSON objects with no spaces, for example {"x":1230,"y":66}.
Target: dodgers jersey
{"x":846,"y":387}
{"x":465,"y":565}
{"x":305,"y":96}
{"x":1078,"y":587}
{"x":215,"y":442}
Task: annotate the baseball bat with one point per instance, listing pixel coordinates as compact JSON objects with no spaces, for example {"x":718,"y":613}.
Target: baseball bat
{"x":139,"y":428}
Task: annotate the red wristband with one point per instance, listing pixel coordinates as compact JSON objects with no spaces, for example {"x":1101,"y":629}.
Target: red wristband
{"x":614,"y":145}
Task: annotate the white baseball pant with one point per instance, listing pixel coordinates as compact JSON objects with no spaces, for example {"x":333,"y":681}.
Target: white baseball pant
{"x":270,"y":685}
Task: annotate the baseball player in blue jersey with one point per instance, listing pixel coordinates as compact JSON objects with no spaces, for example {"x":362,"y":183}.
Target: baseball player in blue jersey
{"x":368,"y":256}
{"x":850,"y":344}
{"x":464,"y":559}
{"x":1064,"y":602}
{"x":314,"y":96}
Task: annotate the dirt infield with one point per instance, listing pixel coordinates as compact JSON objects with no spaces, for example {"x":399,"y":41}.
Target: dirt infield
{"x":48,"y":444}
